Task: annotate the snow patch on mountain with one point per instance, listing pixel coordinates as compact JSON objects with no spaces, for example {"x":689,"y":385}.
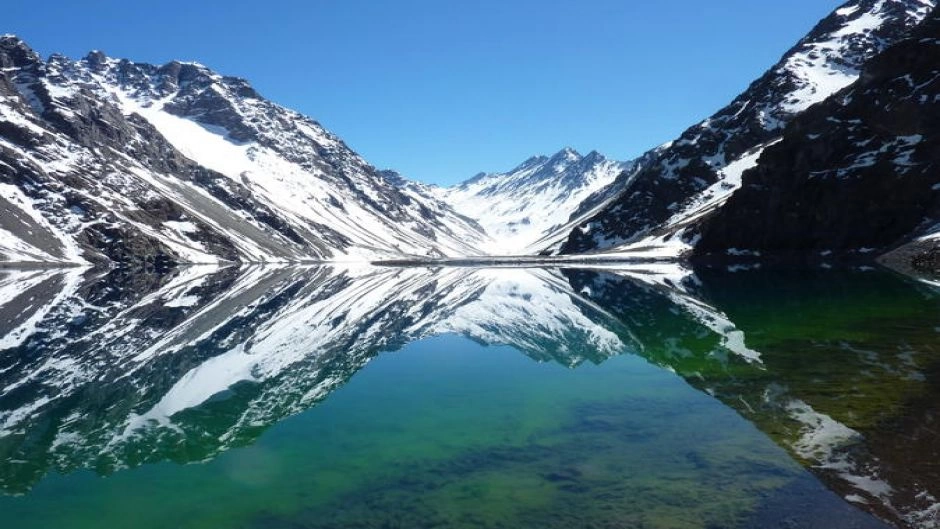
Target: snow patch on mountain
{"x":822,"y":65}
{"x":684,"y":180}
{"x":520,"y":207}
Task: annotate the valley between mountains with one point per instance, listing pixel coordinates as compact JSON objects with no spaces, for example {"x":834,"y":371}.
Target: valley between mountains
{"x":830,"y":155}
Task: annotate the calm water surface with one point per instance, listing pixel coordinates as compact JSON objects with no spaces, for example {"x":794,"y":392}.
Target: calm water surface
{"x":467,"y":398}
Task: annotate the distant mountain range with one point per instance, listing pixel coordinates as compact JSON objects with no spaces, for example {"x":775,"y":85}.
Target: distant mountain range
{"x":829,"y":154}
{"x":523,"y":206}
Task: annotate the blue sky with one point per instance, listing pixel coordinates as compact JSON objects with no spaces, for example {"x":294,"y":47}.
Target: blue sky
{"x":440,"y":90}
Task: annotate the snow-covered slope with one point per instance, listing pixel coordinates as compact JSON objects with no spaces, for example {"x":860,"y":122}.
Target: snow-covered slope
{"x":520,"y":207}
{"x":688,"y":178}
{"x":104,"y":159}
{"x":854,"y":175}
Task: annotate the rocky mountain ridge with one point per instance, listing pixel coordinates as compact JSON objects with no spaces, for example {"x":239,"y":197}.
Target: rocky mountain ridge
{"x":662,"y":201}
{"x":857,"y":173}
{"x":522,"y":207}
{"x":105,"y":160}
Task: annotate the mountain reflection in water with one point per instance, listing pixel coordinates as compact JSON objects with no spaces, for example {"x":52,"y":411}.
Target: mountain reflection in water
{"x":111,"y":371}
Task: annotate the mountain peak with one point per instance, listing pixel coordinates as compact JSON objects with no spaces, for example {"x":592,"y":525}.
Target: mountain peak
{"x":96,"y":58}
{"x":593,"y":157}
{"x":15,"y":52}
{"x":700,"y":170}
{"x":520,"y":207}
{"x":568,"y":153}
{"x":563,"y":158}
{"x":8,"y":39}
{"x":530,"y":162}
{"x":179,"y":133}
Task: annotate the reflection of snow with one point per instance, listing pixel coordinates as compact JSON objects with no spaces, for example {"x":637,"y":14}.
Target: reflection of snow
{"x":530,"y":310}
{"x":829,"y":445}
{"x":286,"y":337}
{"x":821,"y":435}
{"x":672,"y":279}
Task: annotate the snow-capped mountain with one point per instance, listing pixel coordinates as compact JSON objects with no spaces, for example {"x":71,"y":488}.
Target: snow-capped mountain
{"x":687,"y":179}
{"x":519,"y":208}
{"x":104,"y":159}
{"x":856,"y":173}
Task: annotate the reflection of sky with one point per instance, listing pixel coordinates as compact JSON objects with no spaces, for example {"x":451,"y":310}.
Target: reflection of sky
{"x":419,"y":355}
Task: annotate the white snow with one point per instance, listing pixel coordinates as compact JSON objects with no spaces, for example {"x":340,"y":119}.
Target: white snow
{"x":15,"y":249}
{"x":295,"y":192}
{"x":521,"y":207}
{"x":713,"y":197}
{"x":818,"y":68}
{"x":732,"y":338}
{"x":185,"y":301}
{"x":847,"y":11}
{"x":200,"y":384}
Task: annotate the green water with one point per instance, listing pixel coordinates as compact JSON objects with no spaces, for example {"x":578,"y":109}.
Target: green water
{"x":676,"y":431}
{"x":450,"y":434}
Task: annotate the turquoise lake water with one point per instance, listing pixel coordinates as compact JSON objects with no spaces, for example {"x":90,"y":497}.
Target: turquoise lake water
{"x":324,"y":398}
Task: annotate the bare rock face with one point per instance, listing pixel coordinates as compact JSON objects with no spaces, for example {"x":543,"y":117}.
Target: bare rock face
{"x":857,"y":173}
{"x":679,"y":183}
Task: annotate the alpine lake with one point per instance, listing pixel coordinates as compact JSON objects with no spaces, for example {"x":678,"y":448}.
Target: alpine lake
{"x":612,"y":397}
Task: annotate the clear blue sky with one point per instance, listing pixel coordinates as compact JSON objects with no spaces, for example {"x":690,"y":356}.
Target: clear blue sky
{"x":440,"y":90}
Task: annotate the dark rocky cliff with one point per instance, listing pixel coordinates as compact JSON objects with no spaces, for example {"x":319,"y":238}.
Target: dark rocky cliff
{"x":858,"y":173}
{"x":686,"y":178}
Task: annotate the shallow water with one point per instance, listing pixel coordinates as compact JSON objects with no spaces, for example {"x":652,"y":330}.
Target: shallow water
{"x":382,"y":398}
